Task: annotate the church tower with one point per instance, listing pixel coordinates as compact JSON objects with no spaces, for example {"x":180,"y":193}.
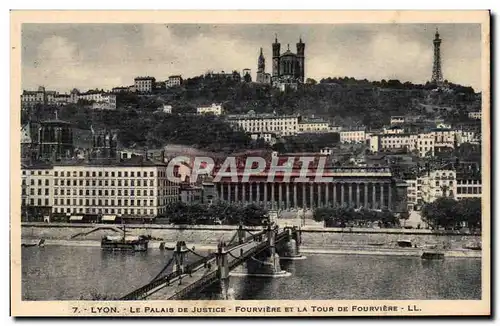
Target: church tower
{"x":301,"y":59}
{"x":276,"y":58}
{"x":261,"y":66}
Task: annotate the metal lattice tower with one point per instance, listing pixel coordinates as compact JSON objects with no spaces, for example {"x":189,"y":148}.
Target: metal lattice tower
{"x":437,"y":74}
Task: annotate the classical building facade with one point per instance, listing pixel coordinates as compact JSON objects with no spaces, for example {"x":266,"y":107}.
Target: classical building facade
{"x":372,"y":188}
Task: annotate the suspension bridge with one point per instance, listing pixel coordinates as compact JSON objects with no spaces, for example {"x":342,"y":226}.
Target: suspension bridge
{"x":261,"y":250}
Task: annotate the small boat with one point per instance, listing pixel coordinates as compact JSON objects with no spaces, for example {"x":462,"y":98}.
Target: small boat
{"x":40,"y":243}
{"x":376,"y":244}
{"x":404,"y":243}
{"x":125,"y":242}
{"x":431,"y":255}
{"x":473,"y":246}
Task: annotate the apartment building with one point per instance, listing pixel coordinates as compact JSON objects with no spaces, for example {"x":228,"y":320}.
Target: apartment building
{"x":134,"y":188}
{"x":313,"y":126}
{"x":281,"y":125}
{"x":215,"y":109}
{"x":352,"y":136}
{"x":173,"y":81}
{"x":144,"y":84}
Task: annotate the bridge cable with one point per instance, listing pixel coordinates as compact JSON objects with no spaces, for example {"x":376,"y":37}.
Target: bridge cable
{"x":163,"y":269}
{"x":197,"y":254}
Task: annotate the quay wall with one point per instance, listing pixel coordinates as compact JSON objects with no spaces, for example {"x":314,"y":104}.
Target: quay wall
{"x":312,"y":237}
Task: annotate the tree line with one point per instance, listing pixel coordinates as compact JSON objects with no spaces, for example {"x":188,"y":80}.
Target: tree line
{"x":220,"y":213}
{"x":449,"y":213}
{"x":342,"y":216}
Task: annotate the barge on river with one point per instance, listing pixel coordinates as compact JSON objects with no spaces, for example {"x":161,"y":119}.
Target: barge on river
{"x":125,"y":242}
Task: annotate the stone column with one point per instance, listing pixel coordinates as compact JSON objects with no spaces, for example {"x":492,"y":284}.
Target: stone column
{"x":236,"y":194}
{"x":295,"y":195}
{"x":304,"y":195}
{"x":265,"y":194}
{"x":342,"y":193}
{"x":381,"y":195}
{"x":243,"y":193}
{"x":258,"y":193}
{"x":221,"y":192}
{"x":229,"y":192}
{"x":366,"y":195}
{"x":350,"y":195}
{"x":319,"y":195}
{"x":374,"y":195}
{"x":389,"y":206}
{"x":327,"y":196}
{"x":311,"y":192}
{"x":334,"y":188}
{"x":358,"y":198}
{"x":280,"y":195}
{"x":288,"y":204}
{"x":272,"y":196}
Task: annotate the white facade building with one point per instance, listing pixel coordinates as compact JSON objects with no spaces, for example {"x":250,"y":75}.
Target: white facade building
{"x":173,"y":81}
{"x":314,"y":126}
{"x":144,"y":84}
{"x":122,"y":189}
{"x":215,"y":109}
{"x":352,"y":136}
{"x":268,"y":137}
{"x":475,"y":115}
{"x":280,"y":125}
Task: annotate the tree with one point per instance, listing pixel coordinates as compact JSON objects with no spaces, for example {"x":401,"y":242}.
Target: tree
{"x":311,"y":81}
{"x":470,"y":212}
{"x":441,"y":212}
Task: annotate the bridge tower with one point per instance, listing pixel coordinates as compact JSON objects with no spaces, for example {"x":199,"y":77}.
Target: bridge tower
{"x":180,"y":253}
{"x":241,"y":234}
{"x":223,"y":270}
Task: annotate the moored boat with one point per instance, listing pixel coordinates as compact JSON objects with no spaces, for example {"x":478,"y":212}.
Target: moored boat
{"x":432,"y":255}
{"x":125,"y":242}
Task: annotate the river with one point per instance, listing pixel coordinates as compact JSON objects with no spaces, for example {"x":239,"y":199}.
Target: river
{"x":79,"y":273}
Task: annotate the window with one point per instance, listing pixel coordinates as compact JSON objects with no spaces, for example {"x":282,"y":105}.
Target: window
{"x":99,"y":174}
{"x":99,"y":192}
{"x":46,"y":191}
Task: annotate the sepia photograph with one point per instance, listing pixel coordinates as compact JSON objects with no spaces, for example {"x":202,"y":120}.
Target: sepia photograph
{"x":341,"y":162}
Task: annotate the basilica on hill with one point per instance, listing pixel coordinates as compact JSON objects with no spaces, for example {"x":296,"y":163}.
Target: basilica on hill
{"x":288,"y":68}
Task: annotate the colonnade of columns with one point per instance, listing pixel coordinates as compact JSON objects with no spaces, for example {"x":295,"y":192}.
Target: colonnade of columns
{"x":281,"y":195}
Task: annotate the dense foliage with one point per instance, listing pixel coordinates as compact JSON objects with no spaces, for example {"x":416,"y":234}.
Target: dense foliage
{"x":220,"y":213}
{"x":450,"y":213}
{"x":341,"y":216}
{"x":343,"y":101}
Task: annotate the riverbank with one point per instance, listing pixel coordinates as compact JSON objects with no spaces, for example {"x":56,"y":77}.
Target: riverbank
{"x":332,"y":250}
{"x":314,"y":239}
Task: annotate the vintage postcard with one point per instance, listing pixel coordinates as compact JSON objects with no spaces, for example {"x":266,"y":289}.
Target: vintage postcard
{"x":250,"y":163}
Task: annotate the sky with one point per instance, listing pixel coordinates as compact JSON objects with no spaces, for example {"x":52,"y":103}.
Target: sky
{"x":88,"y":56}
